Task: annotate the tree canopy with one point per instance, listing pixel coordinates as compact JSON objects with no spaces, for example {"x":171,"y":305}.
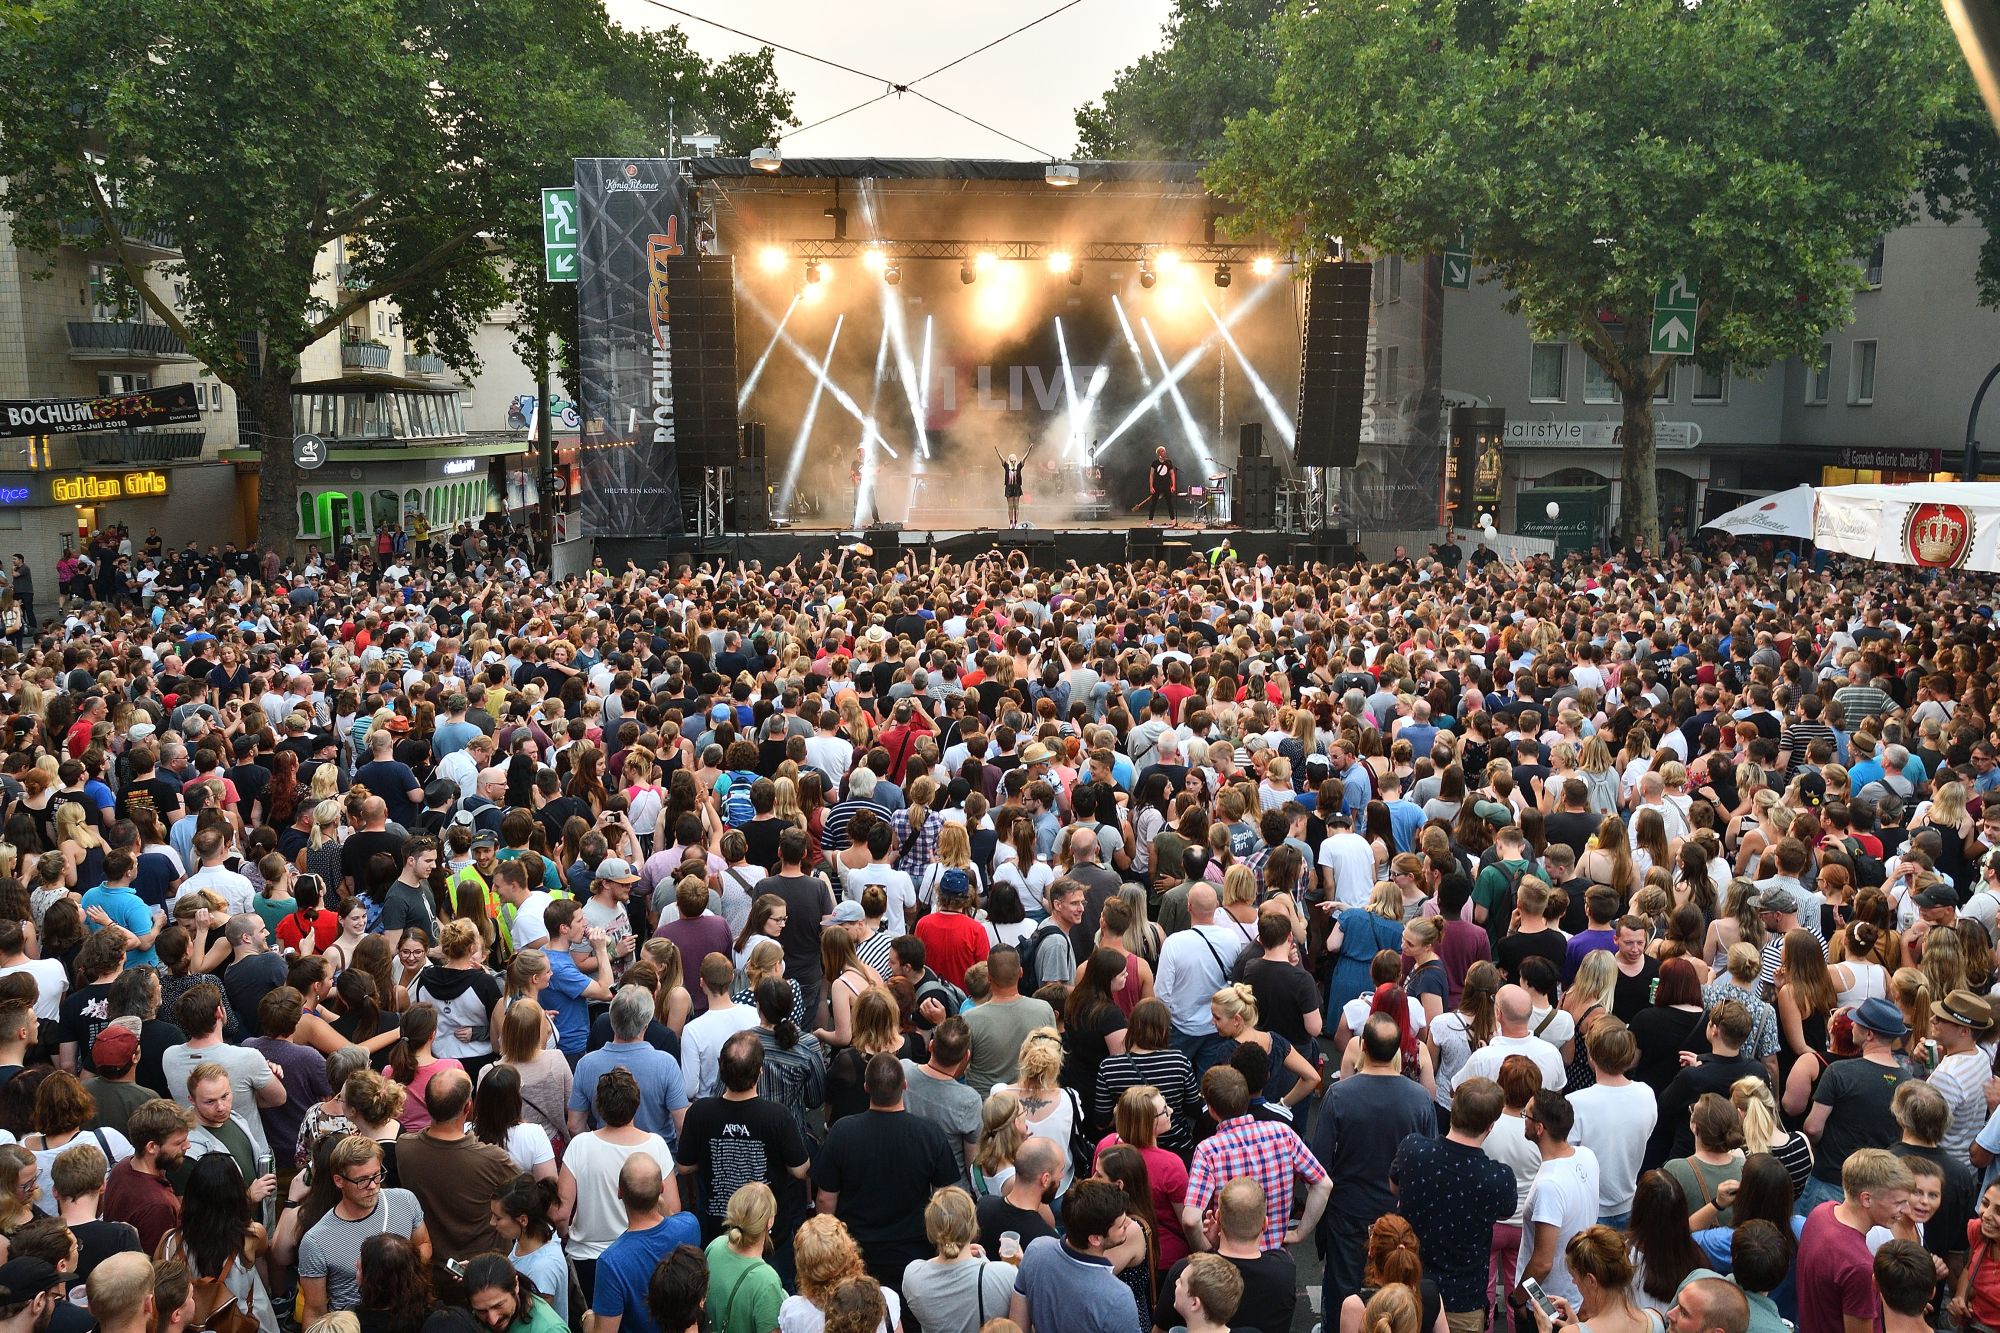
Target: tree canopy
{"x":1218,"y":59}
{"x":257,"y":132}
{"x":1592,"y":150}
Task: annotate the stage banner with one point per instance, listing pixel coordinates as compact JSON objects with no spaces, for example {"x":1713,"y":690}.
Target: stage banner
{"x":167,"y":405}
{"x":632,"y":220}
{"x":1932,"y":525}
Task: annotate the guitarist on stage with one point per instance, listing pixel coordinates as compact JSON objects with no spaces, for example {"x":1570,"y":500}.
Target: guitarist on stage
{"x":1010,"y":477}
{"x":1161,"y":476}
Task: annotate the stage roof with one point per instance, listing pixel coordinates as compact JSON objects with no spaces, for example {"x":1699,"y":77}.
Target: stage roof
{"x":957,"y":198}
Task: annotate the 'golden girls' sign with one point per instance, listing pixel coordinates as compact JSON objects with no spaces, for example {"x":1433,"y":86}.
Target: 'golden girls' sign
{"x":100,"y":487}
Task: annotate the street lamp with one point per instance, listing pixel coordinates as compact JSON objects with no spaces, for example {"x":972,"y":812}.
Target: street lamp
{"x":1968,"y":468}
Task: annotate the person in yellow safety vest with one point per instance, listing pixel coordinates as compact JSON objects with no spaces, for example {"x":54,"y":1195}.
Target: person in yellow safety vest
{"x":475,"y":879}
{"x":521,"y":908}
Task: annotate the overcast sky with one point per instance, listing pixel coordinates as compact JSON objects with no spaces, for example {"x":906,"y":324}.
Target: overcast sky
{"x":1029,"y":86}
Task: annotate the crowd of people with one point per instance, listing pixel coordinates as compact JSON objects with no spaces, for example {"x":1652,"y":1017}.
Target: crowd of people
{"x":965,"y":947}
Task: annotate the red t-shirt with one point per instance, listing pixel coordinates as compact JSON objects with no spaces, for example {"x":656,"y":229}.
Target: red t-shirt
{"x":953,"y":942}
{"x":325,"y":927}
{"x":1836,"y":1274}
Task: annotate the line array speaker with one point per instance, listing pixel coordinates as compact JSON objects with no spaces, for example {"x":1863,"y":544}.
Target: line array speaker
{"x":753,"y":441}
{"x":701,"y":319}
{"x":748,"y":496}
{"x":1333,"y":363}
{"x":1254,"y":494}
{"x":1250,"y":440}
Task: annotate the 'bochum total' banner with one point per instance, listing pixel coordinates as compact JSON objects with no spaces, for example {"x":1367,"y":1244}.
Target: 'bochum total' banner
{"x":632,"y":219}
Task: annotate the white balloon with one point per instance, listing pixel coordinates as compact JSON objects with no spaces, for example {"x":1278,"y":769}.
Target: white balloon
{"x":1553,"y":510}
{"x":1486,"y":522}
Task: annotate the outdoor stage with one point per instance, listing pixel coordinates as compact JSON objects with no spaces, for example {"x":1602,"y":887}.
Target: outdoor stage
{"x":1109,"y":541}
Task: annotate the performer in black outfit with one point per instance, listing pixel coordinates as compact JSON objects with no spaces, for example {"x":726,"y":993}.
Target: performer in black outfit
{"x":1010,"y":477}
{"x":1162,"y":478}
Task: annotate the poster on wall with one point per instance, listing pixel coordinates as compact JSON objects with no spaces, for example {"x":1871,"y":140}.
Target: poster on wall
{"x":169,"y":405}
{"x":632,"y":213}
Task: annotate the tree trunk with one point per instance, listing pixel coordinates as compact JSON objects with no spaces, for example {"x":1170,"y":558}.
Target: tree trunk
{"x":277,"y":476}
{"x":1639,"y":505}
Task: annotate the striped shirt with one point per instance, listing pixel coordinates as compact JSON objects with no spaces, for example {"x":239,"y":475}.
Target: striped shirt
{"x":331,"y":1251}
{"x":1169,"y":1071}
{"x":1862,"y":702}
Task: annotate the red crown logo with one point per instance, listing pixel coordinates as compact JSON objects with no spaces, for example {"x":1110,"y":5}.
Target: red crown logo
{"x":1937,"y":536}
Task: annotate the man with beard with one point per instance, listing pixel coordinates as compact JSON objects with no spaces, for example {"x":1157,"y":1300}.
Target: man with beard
{"x":137,"y":1190}
{"x":28,"y":1286}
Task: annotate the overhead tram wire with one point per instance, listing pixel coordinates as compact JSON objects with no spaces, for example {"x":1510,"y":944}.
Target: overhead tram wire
{"x":891,"y":87}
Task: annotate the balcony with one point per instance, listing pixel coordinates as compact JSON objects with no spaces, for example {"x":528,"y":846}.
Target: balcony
{"x":364,"y":356}
{"x":430,"y":367}
{"x":131,"y":446}
{"x":87,"y":234}
{"x":345,"y":278}
{"x":124,"y":340}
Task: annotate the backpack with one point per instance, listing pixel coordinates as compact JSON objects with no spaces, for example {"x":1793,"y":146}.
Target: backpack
{"x":1869,"y":872}
{"x":1032,"y":979}
{"x":935,"y":987}
{"x":736,"y":808}
{"x":1501,"y":911}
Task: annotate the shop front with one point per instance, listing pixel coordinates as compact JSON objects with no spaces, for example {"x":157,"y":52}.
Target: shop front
{"x":1589,"y":456}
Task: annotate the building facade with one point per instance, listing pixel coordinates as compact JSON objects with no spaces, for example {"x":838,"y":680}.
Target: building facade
{"x":1886,"y":399}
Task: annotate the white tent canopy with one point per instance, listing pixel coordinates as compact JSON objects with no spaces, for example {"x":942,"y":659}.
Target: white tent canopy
{"x":1930,"y":524}
{"x":1785,"y":514}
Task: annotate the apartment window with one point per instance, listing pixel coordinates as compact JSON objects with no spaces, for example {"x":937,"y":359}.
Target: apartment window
{"x":1819,"y":375}
{"x":1711,"y":386}
{"x":1861,"y":374}
{"x":1665,"y":392}
{"x":215,"y":397}
{"x":1389,"y":283}
{"x":1871,"y":268}
{"x":1545,"y":373}
{"x":122,"y":383}
{"x":1388,"y":362}
{"x":1597,"y":385}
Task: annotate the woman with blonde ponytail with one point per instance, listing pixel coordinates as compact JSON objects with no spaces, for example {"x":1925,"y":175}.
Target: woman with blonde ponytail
{"x":744,"y":1291}
{"x":959,"y":1290}
{"x":1393,"y":1309}
{"x":1764,"y":1132}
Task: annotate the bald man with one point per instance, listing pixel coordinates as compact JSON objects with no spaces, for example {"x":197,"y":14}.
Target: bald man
{"x":1194,"y":965}
{"x":1513,"y":1006}
{"x":1709,"y":1305}
{"x":454,"y":1175}
{"x":1100,"y":885}
{"x":121,"y":1293}
{"x":618,"y":1297}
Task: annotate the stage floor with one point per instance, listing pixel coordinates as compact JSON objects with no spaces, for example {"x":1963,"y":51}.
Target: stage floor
{"x":1106,"y":542}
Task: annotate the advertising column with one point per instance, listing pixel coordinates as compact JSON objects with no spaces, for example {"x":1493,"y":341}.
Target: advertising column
{"x":632,"y":220}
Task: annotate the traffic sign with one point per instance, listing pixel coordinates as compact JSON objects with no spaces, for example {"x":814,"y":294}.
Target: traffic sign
{"x":559,"y":234}
{"x":308,"y":452}
{"x":1458,"y":263}
{"x":1675,"y":317}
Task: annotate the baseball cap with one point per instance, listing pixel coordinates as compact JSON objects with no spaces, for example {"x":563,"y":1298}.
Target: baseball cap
{"x":846,"y":913}
{"x":116,"y":1047}
{"x":1940,"y":894}
{"x":21,"y":1280}
{"x":484,"y":838}
{"x":617,"y":870}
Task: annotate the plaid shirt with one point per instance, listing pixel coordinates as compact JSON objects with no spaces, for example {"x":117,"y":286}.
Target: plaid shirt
{"x":1270,"y":1153}
{"x":919,"y":846}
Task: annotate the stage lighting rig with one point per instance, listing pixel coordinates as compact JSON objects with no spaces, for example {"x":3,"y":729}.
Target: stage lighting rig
{"x":1146,"y":275}
{"x":1076,"y":276}
{"x":1263,"y":266}
{"x":773,"y":259}
{"x":813,"y":273}
{"x":1166,"y":261}
{"x":1061,"y":175}
{"x":1060,"y":261}
{"x":967,"y":272}
{"x":985,"y":260}
{"x":766,"y":158}
{"x":1222,"y":275}
{"x":875,"y":260}
{"x":892,"y":274}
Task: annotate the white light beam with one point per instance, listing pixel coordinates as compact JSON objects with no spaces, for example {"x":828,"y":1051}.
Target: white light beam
{"x":806,"y":424}
{"x":757,"y":371}
{"x":1272,"y":407}
{"x":1188,"y":426}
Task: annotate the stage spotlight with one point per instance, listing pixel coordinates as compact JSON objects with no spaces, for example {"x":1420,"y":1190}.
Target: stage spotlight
{"x":773,"y":259}
{"x":1263,"y":266}
{"x":1222,"y":275}
{"x":1166,"y":261}
{"x":1146,"y":275}
{"x":874,"y":260}
{"x":1059,"y":261}
{"x":985,"y":260}
{"x":1076,"y":276}
{"x":1061,"y":174}
{"x":812,"y":271}
{"x":811,"y":293}
{"x":766,"y":159}
{"x":892,"y":274}
{"x":967,"y":274}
